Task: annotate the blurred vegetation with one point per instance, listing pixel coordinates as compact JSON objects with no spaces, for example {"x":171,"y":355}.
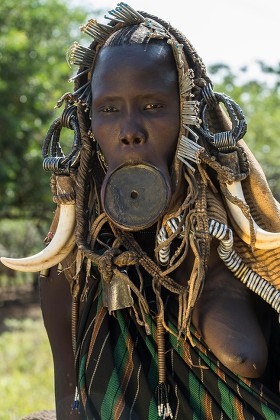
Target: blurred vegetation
{"x":26,"y":371}
{"x":260,"y":102}
{"x":21,"y":235}
{"x":19,"y":238}
{"x":34,"y":37}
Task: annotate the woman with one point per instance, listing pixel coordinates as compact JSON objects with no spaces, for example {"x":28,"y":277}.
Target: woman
{"x":156,"y":322}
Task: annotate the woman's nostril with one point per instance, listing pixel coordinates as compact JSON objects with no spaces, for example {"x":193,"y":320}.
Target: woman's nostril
{"x":136,"y":140}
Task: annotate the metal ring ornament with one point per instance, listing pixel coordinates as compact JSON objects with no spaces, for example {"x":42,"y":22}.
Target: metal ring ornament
{"x":209,"y":95}
{"x":68,"y":115}
{"x":54,"y":158}
{"x":223,"y":141}
{"x":57,"y":165}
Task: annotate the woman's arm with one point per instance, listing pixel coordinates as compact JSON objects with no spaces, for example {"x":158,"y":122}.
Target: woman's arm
{"x":56,"y":310}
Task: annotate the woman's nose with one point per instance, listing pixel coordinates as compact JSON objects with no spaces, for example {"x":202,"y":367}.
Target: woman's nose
{"x":132,"y":133}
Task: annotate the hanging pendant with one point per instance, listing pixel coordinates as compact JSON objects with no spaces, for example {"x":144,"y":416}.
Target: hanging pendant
{"x":116,"y":293}
{"x":164,"y":409}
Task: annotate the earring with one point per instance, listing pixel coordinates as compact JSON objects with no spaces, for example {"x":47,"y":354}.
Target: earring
{"x":91,"y":135}
{"x":101,"y":158}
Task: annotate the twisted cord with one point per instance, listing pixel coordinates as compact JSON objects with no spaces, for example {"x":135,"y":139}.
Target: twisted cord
{"x":83,"y":185}
{"x":147,"y":263}
{"x":63,"y":188}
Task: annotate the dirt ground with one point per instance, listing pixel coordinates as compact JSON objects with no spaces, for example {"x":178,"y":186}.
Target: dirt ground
{"x":19,"y":302}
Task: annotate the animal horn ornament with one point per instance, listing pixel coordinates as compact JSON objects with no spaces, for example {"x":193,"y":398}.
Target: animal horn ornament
{"x":63,"y":167}
{"x":225,"y":143}
{"x":264,"y":239}
{"x":60,"y":246}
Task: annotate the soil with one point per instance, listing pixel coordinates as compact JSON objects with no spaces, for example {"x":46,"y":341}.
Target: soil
{"x":18,"y":303}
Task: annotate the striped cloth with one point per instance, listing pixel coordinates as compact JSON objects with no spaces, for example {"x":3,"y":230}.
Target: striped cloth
{"x":117,"y":373}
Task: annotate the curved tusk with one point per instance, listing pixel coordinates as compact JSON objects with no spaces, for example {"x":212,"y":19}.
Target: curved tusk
{"x":264,"y":239}
{"x":60,"y":246}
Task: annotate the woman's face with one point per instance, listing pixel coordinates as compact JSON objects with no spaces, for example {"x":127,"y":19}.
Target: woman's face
{"x":135,"y":104}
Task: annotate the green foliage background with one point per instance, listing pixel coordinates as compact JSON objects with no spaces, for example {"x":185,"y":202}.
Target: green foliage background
{"x":34,"y":37}
{"x":260,"y":102}
{"x":26,"y":371}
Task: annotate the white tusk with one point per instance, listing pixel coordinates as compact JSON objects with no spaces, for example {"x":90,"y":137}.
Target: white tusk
{"x":60,"y":246}
{"x":264,"y":239}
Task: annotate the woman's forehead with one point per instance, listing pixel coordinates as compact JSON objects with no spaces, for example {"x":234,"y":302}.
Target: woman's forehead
{"x":126,"y":66}
{"x":144,"y":56}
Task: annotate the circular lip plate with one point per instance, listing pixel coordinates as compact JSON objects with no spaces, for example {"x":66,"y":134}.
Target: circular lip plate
{"x":135,"y":195}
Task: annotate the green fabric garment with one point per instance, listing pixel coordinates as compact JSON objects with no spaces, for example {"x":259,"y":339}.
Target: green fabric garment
{"x":117,"y":373}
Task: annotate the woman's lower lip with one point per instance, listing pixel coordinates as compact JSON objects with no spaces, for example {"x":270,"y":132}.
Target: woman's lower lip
{"x":135,"y":159}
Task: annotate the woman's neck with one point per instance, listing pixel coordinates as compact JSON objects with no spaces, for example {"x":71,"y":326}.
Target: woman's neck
{"x":146,"y":239}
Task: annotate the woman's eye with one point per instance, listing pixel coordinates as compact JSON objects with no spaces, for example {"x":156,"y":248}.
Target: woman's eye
{"x":109,"y":109}
{"x":153,"y":106}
